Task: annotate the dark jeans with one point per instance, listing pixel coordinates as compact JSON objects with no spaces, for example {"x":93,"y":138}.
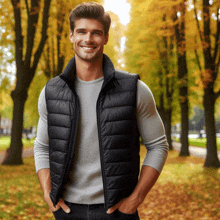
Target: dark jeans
{"x":91,"y":212}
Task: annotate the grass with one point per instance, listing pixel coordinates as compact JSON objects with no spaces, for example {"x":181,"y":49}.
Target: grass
{"x":21,"y":196}
{"x":184,"y":191}
{"x":199,"y":142}
{"x":5,"y":142}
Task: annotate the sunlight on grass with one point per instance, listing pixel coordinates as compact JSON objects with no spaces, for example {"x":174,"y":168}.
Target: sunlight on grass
{"x":197,"y":142}
{"x":5,"y":142}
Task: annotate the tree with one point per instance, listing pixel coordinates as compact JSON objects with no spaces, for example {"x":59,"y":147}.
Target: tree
{"x":209,"y":33}
{"x":166,"y":81}
{"x":151,"y":54}
{"x":179,"y":21}
{"x":27,"y":55}
{"x":57,"y":50}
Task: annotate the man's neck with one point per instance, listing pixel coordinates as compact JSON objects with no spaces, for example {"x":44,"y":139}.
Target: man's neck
{"x":88,"y":71}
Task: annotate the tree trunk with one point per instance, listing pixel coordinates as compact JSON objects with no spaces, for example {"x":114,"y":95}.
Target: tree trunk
{"x":209,"y":95}
{"x":166,"y":116}
{"x":209,"y":76}
{"x":0,"y":123}
{"x":168,"y":128}
{"x":209,"y":106}
{"x":14,"y":153}
{"x":184,"y":125}
{"x":19,"y":96}
{"x":183,"y":80}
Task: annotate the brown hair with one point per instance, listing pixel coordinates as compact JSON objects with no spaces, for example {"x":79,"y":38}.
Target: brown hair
{"x":91,"y":10}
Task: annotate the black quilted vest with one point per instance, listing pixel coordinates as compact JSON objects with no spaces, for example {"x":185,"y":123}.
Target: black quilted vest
{"x":117,"y":130}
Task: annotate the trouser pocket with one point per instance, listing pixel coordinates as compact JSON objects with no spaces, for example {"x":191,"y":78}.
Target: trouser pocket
{"x":124,"y":216}
{"x":59,"y":214}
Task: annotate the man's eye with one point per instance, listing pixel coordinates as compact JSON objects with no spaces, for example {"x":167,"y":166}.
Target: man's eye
{"x":81,"y":32}
{"x":96,"y":33}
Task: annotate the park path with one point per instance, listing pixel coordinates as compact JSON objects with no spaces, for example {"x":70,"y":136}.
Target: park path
{"x":194,"y":151}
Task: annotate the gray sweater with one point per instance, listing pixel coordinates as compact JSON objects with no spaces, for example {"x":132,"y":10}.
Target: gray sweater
{"x":86,"y":185}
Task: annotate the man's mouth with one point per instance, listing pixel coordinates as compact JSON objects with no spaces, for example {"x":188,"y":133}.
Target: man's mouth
{"x":88,"y":47}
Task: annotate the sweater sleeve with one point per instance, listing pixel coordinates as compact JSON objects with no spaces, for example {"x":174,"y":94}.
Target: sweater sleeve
{"x":41,"y":144}
{"x":151,"y":128}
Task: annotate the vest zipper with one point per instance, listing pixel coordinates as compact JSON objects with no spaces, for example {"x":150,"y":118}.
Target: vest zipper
{"x":101,"y":151}
{"x":100,"y":143}
{"x":73,"y":135}
{"x":74,"y":129}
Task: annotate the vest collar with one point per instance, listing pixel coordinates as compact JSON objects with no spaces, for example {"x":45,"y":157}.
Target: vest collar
{"x":69,"y":73}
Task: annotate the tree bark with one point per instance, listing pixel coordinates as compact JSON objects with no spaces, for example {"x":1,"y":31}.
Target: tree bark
{"x":209,"y":106}
{"x":60,"y":57}
{"x":13,"y":154}
{"x":183,"y":80}
{"x":209,"y":95}
{"x":0,"y":122}
{"x":184,"y":123}
{"x":166,"y":116}
{"x":168,"y":128}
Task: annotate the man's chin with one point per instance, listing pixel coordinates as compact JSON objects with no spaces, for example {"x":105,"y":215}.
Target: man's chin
{"x":89,"y":57}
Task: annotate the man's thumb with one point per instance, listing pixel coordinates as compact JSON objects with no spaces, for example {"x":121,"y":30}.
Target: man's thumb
{"x":68,"y":210}
{"x":113,"y":208}
{"x":64,"y":206}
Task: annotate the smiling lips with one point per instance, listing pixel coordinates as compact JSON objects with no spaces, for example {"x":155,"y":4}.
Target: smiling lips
{"x":88,"y":48}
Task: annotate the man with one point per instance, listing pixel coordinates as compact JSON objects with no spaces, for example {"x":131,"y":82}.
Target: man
{"x":91,"y":116}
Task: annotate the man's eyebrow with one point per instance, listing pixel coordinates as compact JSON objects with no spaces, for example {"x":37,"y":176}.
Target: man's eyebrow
{"x":98,"y":31}
{"x":80,"y":29}
{"x":84,"y":29}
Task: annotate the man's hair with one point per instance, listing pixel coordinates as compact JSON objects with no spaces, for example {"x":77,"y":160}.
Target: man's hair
{"x":90,"y":10}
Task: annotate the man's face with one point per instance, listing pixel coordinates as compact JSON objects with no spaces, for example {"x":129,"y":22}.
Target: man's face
{"x":88,"y":39}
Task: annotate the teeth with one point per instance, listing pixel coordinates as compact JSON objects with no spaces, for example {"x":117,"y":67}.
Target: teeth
{"x":88,"y":48}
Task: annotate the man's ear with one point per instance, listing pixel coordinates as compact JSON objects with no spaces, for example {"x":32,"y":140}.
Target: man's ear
{"x":106,"y":38}
{"x":71,"y":36}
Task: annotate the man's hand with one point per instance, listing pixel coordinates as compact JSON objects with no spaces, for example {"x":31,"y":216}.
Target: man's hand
{"x":45,"y":182}
{"x":60,"y":204}
{"x":147,"y":179}
{"x":128,"y":205}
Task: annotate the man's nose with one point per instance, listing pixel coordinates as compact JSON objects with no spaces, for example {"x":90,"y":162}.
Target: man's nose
{"x":88,"y":37}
